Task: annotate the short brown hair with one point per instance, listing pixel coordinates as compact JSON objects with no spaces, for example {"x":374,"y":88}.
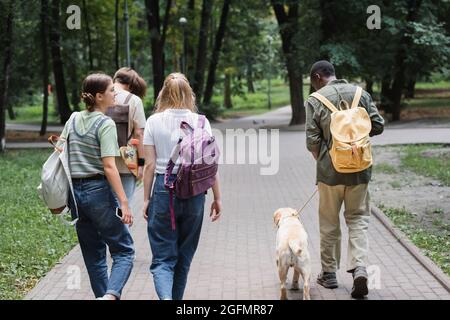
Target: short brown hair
{"x":93,"y":84}
{"x":136,"y":84}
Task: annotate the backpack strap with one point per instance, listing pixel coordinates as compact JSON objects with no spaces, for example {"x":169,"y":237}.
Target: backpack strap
{"x":357,"y":97}
{"x":71,"y":125}
{"x":171,"y":184}
{"x":201,"y":121}
{"x":325,"y":101}
{"x":128,"y":98}
{"x":98,"y":126}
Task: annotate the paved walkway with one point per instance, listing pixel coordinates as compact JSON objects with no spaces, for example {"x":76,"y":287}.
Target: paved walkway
{"x":235,"y":258}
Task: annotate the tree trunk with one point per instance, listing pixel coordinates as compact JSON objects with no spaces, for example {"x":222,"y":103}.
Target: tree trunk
{"x":227,"y":102}
{"x":190,"y":63}
{"x":74,"y":85}
{"x":116,"y":20}
{"x":400,"y":62}
{"x":296,"y":93}
{"x":369,"y":86}
{"x":199,"y":75}
{"x":88,"y":34}
{"x":58,"y":70}
{"x":411,"y":88}
{"x":45,"y":81}
{"x":4,"y":86}
{"x":289,"y":25}
{"x":215,"y":54}
{"x":250,"y":86}
{"x":153,"y":19}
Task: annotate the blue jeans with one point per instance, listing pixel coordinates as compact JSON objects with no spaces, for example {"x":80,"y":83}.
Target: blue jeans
{"x":173,"y":250}
{"x":129,"y":185}
{"x":98,"y":227}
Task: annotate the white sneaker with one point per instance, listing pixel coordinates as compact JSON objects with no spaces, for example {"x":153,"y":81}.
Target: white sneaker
{"x":107,"y":297}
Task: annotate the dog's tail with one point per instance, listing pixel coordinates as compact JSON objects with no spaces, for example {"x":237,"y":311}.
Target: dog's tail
{"x":295,"y":247}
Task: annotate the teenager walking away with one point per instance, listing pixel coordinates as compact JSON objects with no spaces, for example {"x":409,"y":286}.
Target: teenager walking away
{"x":92,"y":141}
{"x":173,"y":227}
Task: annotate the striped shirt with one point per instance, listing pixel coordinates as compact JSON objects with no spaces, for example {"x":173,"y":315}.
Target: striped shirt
{"x":92,"y":137}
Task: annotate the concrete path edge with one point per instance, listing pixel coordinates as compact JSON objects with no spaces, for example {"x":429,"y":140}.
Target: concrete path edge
{"x":428,"y":264}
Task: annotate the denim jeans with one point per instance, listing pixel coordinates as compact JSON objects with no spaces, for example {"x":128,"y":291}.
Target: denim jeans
{"x":129,"y":185}
{"x":97,"y":228}
{"x":172,"y":250}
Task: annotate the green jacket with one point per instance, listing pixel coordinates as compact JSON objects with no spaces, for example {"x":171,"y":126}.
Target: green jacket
{"x":318,"y":136}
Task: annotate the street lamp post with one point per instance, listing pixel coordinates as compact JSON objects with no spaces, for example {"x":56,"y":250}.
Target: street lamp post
{"x":269,"y":73}
{"x":183,"y":23}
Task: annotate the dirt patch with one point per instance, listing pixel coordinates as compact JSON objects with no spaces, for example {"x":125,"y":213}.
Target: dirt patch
{"x":27,"y":136}
{"x":422,"y":113}
{"x":442,"y":153}
{"x":395,"y":186}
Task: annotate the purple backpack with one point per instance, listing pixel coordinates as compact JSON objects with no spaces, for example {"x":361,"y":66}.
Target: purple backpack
{"x":199,"y":163}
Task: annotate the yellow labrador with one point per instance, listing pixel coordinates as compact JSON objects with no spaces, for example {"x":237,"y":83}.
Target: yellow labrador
{"x":292,"y":250}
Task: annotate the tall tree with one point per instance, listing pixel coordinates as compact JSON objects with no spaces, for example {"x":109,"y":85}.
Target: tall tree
{"x":45,"y":81}
{"x":116,"y":24}
{"x":88,"y":36}
{"x":289,"y":25}
{"x":190,"y":52}
{"x":400,"y":61}
{"x":4,"y":85}
{"x":200,"y":65}
{"x":215,"y":54}
{"x":58,"y":70}
{"x":157,"y":39}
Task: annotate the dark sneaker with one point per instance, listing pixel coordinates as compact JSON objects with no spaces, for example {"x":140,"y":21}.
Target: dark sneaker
{"x":328,"y":280}
{"x":359,"y":289}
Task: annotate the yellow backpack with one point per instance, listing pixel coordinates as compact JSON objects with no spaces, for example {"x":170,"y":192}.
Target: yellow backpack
{"x":350,"y":127}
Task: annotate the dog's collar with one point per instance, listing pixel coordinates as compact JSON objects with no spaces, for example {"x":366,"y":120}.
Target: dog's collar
{"x":296,"y":214}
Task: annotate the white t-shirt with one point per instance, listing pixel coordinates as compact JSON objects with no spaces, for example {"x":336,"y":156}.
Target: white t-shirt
{"x":163,"y":131}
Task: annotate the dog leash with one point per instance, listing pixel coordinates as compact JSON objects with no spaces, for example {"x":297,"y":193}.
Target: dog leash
{"x":310,"y":198}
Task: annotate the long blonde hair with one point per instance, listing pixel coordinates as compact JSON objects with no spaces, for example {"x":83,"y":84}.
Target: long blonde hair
{"x":176,"y":93}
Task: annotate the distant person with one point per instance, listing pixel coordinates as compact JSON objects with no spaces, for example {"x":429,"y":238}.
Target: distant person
{"x":350,"y":184}
{"x":92,"y":151}
{"x":130,"y":89}
{"x":172,"y":249}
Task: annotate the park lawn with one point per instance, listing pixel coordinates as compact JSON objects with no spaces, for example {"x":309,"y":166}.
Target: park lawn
{"x":433,"y":238}
{"x":257,"y":103}
{"x":32,"y":240}
{"x":435,"y":243}
{"x":419,"y":159}
{"x":33,"y":115}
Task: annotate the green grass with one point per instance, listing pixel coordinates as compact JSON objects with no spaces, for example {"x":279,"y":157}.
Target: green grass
{"x":33,"y":115}
{"x":435,"y":167}
{"x":441,"y":84}
{"x":257,"y":103}
{"x":435,"y":244}
{"x":428,"y":102}
{"x":32,"y":240}
{"x":384,"y":168}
